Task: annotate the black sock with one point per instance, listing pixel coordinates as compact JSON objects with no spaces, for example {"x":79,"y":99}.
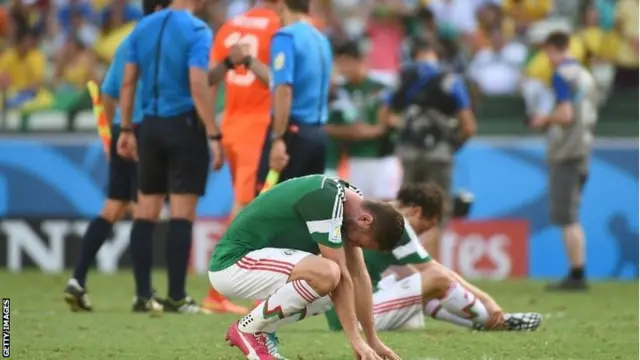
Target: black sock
{"x":140,"y":245}
{"x":178,"y":246}
{"x":577,"y":273}
{"x":97,"y":232}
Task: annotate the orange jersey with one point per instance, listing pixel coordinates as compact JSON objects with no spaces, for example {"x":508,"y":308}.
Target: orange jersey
{"x":246,"y":95}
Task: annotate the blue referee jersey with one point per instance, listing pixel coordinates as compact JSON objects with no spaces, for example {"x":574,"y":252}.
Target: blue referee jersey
{"x":113,"y":81}
{"x":164,"y":46}
{"x":301,"y":57}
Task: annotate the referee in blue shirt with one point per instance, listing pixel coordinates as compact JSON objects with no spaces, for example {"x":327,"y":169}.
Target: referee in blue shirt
{"x":122,"y":187}
{"x":169,"y":52}
{"x":301,"y":64}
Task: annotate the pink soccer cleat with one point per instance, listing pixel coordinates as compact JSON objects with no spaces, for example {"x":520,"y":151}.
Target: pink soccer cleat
{"x":253,"y":346}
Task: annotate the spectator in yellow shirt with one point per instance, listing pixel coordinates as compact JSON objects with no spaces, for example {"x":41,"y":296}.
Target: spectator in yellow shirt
{"x":627,"y":54}
{"x":22,"y":70}
{"x":600,"y":45}
{"x":525,"y":12}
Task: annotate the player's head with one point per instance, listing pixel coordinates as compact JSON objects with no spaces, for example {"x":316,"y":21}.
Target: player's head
{"x":151,"y":6}
{"x":287,"y":8}
{"x":349,"y":61}
{"x":376,"y":225}
{"x":423,"y":50}
{"x":421,"y":204}
{"x":556,"y":46}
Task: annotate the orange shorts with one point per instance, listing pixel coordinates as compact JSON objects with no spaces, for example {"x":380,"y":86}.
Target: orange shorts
{"x":243,"y":155}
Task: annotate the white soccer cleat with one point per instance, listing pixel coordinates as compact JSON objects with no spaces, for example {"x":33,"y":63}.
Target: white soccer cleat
{"x":515,"y":322}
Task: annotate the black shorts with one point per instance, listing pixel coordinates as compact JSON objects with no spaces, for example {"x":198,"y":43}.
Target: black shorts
{"x":173,"y":155}
{"x":122,"y":172}
{"x":307,"y":149}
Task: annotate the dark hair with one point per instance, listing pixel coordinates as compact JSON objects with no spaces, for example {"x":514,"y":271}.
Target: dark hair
{"x":150,"y":6}
{"x":300,"y":6}
{"x":558,"y":40}
{"x":388,"y":224}
{"x":428,"y":196}
{"x":419,"y":45}
{"x":348,"y":48}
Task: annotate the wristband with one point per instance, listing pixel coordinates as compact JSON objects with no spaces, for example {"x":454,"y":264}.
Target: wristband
{"x":228,"y":63}
{"x":216,"y":137}
{"x":126,"y":129}
{"x":247,"y":61}
{"x":275,"y":136}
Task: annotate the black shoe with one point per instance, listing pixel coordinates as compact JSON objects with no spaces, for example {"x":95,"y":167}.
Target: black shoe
{"x":184,"y":306}
{"x":515,"y":322}
{"x":76,"y":296}
{"x":569,"y":284}
{"x":150,"y":305}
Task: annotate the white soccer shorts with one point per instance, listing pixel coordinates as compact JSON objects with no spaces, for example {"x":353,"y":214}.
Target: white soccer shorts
{"x":399,"y":305}
{"x":258,"y":274}
{"x":377,"y":178}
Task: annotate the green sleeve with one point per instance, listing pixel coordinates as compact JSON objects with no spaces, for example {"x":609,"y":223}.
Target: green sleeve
{"x":410,"y":250}
{"x":322,"y":210}
{"x":332,"y":320}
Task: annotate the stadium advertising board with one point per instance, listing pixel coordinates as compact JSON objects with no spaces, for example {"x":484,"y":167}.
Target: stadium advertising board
{"x":50,"y":179}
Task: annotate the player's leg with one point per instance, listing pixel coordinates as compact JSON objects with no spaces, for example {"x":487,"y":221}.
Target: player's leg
{"x":122,"y":175}
{"x":188,"y":168}
{"x":288,"y":280}
{"x":441,"y":174}
{"x":448,"y":297}
{"x":399,"y":304}
{"x":388,"y":174}
{"x":243,"y":163}
{"x":566,"y":181}
{"x":152,"y":186}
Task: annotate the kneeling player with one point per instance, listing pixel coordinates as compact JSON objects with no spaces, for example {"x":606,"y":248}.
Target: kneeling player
{"x":430,"y":287}
{"x":420,"y":285}
{"x":270,"y":252}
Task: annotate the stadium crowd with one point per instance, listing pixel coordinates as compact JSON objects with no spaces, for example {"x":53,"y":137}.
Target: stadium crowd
{"x":51,"y":48}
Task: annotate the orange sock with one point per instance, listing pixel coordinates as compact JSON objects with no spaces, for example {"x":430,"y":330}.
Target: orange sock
{"x":214,"y":295}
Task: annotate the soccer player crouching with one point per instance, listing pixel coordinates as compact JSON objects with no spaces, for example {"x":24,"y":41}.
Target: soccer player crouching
{"x":420,"y":285}
{"x":270,"y":251}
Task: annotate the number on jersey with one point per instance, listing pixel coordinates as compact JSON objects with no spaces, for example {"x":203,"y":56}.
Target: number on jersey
{"x":253,"y":43}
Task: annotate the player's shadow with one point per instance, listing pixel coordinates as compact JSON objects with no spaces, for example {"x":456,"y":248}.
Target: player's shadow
{"x":627,"y":240}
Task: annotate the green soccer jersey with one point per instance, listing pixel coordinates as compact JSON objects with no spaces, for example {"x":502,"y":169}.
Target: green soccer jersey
{"x":408,"y":251}
{"x":298,"y":214}
{"x":361,"y":102}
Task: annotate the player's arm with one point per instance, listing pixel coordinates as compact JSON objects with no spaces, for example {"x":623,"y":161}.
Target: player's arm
{"x":322,"y":210}
{"x":261,"y":70}
{"x":361,"y":286}
{"x":110,"y":91}
{"x":129,"y":82}
{"x":198,"y":58}
{"x":563,"y":112}
{"x":468,"y":125}
{"x":282,"y":70}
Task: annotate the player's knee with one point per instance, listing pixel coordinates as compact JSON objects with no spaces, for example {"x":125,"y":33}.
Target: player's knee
{"x":113,"y":210}
{"x":436,"y":279}
{"x":323,"y":275}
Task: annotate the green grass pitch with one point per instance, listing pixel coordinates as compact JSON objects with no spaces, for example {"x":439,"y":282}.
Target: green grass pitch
{"x":602,"y":324}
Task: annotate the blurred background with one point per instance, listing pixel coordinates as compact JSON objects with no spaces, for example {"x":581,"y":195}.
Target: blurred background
{"x":53,"y":173}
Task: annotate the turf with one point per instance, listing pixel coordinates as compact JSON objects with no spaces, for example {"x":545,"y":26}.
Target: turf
{"x":600,"y":325}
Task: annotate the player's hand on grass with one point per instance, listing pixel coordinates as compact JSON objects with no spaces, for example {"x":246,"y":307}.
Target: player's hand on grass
{"x":127,"y":146}
{"x":278,"y":157}
{"x":363,"y":351}
{"x":218,"y":154}
{"x":383,"y":350}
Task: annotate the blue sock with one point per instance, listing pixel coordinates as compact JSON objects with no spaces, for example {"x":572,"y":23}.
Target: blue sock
{"x":178,"y":247}
{"x":97,"y":232}
{"x":141,"y":247}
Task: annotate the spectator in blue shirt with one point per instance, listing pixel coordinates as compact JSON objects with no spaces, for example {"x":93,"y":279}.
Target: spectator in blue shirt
{"x":301,"y":65}
{"x":169,"y":52}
